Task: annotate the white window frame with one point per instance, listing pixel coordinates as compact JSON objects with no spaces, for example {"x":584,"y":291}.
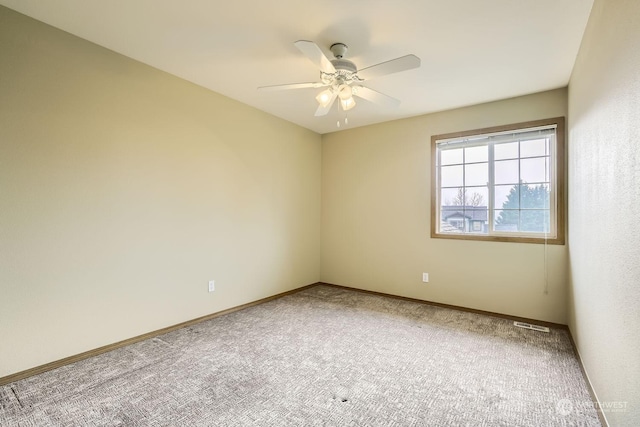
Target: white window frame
{"x":556,"y":234}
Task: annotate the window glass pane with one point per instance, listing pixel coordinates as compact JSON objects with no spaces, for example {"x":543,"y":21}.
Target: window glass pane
{"x":451,"y":176}
{"x":507,"y":150}
{"x":476,"y":174}
{"x":507,"y":196}
{"x":476,"y":154}
{"x":534,"y":221}
{"x":534,"y":196}
{"x":470,"y":196}
{"x":450,"y":196}
{"x":477,"y":196}
{"x":534,"y":170}
{"x":506,"y":220}
{"x":506,"y":172}
{"x":451,"y":157}
{"x":534,"y":147}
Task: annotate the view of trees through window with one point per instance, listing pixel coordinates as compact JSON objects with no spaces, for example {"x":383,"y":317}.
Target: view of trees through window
{"x":465,"y":199}
{"x":526,"y":209}
{"x":534,"y":215}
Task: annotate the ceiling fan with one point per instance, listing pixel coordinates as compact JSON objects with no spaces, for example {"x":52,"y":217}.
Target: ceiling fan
{"x":343,"y":80}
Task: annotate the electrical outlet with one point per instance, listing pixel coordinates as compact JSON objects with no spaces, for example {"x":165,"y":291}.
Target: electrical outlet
{"x":425,"y":277}
{"x":212,"y":285}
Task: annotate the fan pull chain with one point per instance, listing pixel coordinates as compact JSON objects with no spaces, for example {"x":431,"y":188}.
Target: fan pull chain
{"x":346,"y":119}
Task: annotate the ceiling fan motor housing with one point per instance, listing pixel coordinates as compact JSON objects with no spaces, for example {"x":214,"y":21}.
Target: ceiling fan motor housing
{"x":344,"y":65}
{"x":338,"y":49}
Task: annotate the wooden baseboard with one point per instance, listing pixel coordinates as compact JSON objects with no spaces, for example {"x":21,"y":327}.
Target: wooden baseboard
{"x":454,"y":307}
{"x":85,"y":355}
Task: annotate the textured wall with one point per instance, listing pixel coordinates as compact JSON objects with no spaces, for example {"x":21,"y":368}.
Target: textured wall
{"x":123,"y":190}
{"x":604,"y":196}
{"x":376,"y":218}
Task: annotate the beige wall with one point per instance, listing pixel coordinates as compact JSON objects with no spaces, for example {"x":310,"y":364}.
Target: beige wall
{"x":376,"y":219}
{"x":604,"y":198}
{"x":123,"y":190}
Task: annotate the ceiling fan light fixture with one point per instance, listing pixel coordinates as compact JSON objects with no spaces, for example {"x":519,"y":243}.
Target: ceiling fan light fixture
{"x":345,"y":92}
{"x":347,"y":104}
{"x":324,"y":97}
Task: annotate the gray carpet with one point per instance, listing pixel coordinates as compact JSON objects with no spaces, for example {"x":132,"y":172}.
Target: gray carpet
{"x":321,"y":357}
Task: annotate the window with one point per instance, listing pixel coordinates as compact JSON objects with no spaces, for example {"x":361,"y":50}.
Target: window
{"x":500,"y":184}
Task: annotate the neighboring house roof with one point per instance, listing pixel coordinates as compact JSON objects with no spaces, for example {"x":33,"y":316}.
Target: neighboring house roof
{"x":473,"y":213}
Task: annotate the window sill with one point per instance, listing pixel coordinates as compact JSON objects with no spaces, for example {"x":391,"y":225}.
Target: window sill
{"x":496,"y":238}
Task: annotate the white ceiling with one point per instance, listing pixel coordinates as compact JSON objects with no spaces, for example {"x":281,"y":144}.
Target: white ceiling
{"x":472,"y":51}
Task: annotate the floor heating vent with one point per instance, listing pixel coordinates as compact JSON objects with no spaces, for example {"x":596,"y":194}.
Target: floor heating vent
{"x":532,"y":327}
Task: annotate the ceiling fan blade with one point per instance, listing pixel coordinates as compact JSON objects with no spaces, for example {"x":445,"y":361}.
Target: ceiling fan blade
{"x":375,"y":96}
{"x":322,"y":111}
{"x":315,"y":55}
{"x":292,"y":86}
{"x":403,"y":63}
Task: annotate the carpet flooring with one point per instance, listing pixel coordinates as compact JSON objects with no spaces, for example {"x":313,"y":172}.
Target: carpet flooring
{"x":323,"y":356}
